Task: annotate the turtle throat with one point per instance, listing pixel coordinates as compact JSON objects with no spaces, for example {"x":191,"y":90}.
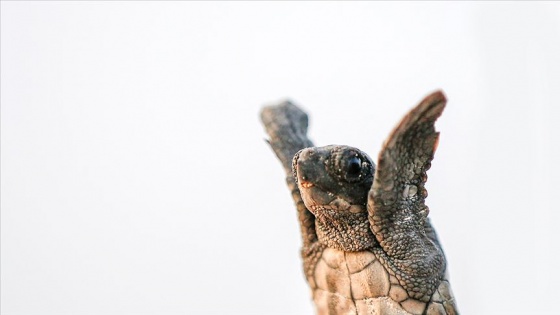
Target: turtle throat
{"x":343,"y":230}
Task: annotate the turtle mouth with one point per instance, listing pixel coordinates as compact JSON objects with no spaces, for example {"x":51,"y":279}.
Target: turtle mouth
{"x":306,"y":184}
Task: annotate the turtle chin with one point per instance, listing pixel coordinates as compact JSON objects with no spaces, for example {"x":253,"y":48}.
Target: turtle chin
{"x":314,"y":197}
{"x":316,"y":200}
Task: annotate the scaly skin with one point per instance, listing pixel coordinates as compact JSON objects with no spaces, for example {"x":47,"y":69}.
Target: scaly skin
{"x":368,"y":246}
{"x":286,"y":125}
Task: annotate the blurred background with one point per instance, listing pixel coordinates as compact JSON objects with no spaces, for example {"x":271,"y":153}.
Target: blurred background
{"x":135,"y":178}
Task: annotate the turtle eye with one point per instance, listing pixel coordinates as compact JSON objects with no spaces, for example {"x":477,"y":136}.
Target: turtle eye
{"x":354,"y":166}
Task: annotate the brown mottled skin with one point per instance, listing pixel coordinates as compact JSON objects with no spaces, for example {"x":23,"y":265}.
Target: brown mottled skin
{"x":368,"y":246}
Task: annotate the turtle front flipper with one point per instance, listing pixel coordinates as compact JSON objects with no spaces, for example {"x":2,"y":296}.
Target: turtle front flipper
{"x":397,"y":212}
{"x":286,"y":125}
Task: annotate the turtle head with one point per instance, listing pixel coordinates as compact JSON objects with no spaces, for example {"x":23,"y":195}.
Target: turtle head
{"x":333,"y":177}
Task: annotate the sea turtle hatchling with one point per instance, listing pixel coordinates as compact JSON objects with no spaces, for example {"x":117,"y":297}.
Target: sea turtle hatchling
{"x":368,"y":246}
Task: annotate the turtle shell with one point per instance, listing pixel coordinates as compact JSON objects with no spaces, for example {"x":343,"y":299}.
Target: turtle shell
{"x":358,"y":283}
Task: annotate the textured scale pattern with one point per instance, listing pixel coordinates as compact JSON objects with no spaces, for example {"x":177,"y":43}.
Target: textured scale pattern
{"x":358,"y":283}
{"x":368,"y":246}
{"x":396,"y":200}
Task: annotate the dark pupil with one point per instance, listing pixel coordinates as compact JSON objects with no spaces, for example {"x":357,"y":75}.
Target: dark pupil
{"x":354,"y":166}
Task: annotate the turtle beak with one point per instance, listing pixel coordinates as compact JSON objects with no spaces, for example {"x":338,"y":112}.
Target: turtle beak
{"x":305,"y":184}
{"x":302,"y":180}
{"x":297,"y":168}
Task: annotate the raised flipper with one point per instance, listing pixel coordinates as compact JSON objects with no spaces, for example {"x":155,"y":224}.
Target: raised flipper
{"x":286,"y":126}
{"x":397,"y":212}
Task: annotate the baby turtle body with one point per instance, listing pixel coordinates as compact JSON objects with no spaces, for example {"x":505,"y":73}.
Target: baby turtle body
{"x":368,"y":246}
{"x":353,"y":274}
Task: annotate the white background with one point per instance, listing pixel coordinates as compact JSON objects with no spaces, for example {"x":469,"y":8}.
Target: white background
{"x":135,"y":178}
